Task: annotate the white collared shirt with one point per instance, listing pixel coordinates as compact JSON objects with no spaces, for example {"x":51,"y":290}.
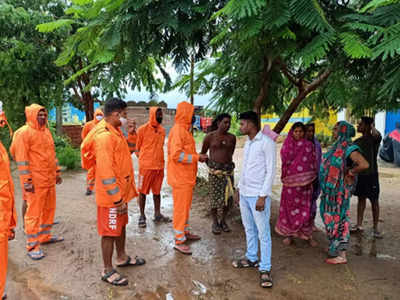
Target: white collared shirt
{"x":259,"y":167}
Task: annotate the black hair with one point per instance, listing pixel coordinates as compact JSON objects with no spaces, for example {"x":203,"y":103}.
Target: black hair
{"x":310,"y":125}
{"x":299,"y":124}
{"x":114,"y":104}
{"x":250,"y":116}
{"x":367,"y":120}
{"x":219,"y":118}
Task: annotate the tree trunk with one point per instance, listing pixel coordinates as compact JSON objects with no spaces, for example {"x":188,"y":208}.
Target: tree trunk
{"x":59,"y":120}
{"x":88,"y":102}
{"x":265,"y":78}
{"x":192,"y":80}
{"x":304,"y":91}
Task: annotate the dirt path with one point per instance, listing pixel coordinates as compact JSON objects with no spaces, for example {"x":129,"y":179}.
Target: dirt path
{"x":71,"y":270}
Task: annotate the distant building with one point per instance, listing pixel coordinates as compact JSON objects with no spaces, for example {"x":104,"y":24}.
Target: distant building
{"x":70,"y":114}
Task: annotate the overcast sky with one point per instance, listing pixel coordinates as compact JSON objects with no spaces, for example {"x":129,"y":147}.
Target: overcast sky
{"x":172,"y":98}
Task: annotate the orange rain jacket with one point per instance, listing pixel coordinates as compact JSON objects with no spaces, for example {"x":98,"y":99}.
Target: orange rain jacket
{"x":8,"y":215}
{"x":114,"y":169}
{"x":12,"y":151}
{"x":7,"y":208}
{"x":150,"y":143}
{"x":91,"y":124}
{"x":34,"y":151}
{"x":182,"y":155}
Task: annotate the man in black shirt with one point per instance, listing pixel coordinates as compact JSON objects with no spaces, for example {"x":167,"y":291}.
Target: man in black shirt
{"x":368,"y":180}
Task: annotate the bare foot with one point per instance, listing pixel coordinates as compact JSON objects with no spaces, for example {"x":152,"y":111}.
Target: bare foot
{"x":313,"y":243}
{"x":184,"y":249}
{"x":287,"y":241}
{"x":315,"y":229}
{"x":336,"y":260}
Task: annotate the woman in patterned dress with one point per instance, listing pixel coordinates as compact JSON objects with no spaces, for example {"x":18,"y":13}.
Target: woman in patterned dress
{"x":337,"y":175}
{"x":298,"y":174}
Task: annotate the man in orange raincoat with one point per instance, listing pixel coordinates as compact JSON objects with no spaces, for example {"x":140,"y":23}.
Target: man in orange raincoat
{"x":150,"y":150}
{"x":39,"y":172}
{"x":115,"y":187}
{"x":7,"y":211}
{"x":98,"y":116}
{"x":12,"y":152}
{"x":182,"y":173}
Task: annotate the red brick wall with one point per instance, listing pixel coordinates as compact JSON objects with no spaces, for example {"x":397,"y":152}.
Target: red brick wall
{"x":74,"y":133}
{"x":139,"y":114}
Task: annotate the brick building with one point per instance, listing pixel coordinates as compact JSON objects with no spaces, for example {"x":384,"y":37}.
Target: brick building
{"x":138,"y":113}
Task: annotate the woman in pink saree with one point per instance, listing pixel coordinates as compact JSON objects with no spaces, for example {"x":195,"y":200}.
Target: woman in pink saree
{"x":298,"y":173}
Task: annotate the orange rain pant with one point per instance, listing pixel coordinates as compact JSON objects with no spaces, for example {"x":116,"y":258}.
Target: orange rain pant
{"x":3,"y":265}
{"x":39,"y":216}
{"x":182,"y":204}
{"x":90,"y":178}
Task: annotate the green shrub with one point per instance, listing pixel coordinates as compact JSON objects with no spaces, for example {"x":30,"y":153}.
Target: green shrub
{"x":68,"y":157}
{"x":324,"y":140}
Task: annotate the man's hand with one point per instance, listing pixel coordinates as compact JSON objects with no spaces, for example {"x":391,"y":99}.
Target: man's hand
{"x":11,"y":235}
{"x":236,"y":197}
{"x":131,"y":126}
{"x":203,"y":157}
{"x":260,"y":204}
{"x":29,"y":188}
{"x":349,"y":179}
{"x":59,"y":180}
{"x":122,"y":208}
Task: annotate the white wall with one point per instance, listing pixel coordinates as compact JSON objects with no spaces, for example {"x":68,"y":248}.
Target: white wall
{"x":341,"y":116}
{"x":380,"y":122}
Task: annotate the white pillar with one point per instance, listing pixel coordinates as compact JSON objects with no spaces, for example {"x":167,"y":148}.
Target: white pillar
{"x":341,"y":116}
{"x":380,"y":122}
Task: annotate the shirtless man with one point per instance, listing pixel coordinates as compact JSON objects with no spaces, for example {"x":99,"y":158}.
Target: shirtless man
{"x":221,"y":145}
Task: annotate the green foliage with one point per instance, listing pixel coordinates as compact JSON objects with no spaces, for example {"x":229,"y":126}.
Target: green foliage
{"x":324,"y":140}
{"x":67,"y":155}
{"x":27,"y":73}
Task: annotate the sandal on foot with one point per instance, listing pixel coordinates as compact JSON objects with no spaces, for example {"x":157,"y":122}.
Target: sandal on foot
{"x":265,"y":279}
{"x":36,"y":255}
{"x":142,"y":222}
{"x":4,"y":296}
{"x":162,"y":219}
{"x":138,"y":262}
{"x":378,"y":235}
{"x":216,"y":228}
{"x":119,"y":281}
{"x":192,"y":237}
{"x":244,"y":263}
{"x":225,"y":227}
{"x":184,"y":249}
{"x":356,"y":229}
{"x":338,"y":260}
{"x":54,"y":239}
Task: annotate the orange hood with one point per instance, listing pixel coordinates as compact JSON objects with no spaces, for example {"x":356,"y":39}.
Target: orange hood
{"x":31,"y":113}
{"x":152,"y":117}
{"x":98,"y":112}
{"x":184,"y":114}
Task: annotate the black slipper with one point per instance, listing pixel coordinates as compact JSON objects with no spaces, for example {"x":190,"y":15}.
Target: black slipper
{"x":216,"y":229}
{"x":120,"y":281}
{"x":138,"y":262}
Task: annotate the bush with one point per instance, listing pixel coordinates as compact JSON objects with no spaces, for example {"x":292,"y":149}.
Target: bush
{"x":67,"y":155}
{"x":324,"y":140}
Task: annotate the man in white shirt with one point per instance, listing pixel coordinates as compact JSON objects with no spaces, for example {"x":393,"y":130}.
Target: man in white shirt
{"x":255,"y":190}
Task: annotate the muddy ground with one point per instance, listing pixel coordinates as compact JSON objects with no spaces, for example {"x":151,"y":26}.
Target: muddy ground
{"x":71,"y":270}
